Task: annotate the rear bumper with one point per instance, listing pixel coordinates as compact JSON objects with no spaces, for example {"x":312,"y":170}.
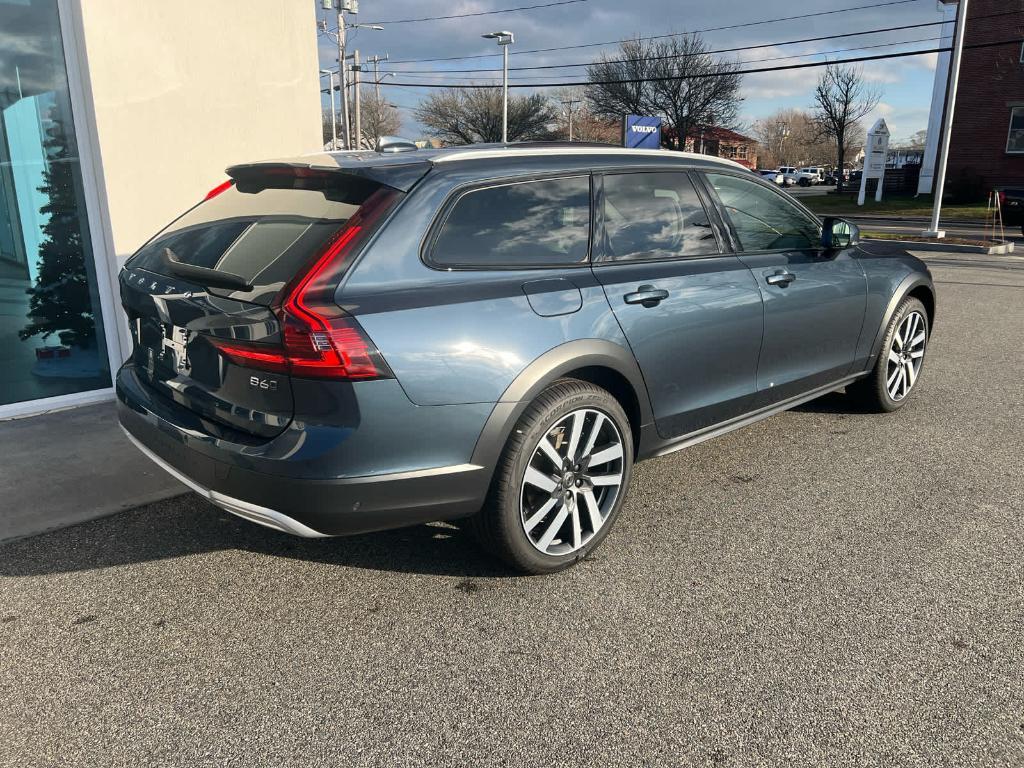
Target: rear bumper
{"x":271,"y":518}
{"x":302,"y":506}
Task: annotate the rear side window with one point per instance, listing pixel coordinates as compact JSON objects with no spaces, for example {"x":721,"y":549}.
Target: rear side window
{"x":764,"y":220}
{"x":655,"y":216}
{"x":265,"y":235}
{"x":539,"y":223}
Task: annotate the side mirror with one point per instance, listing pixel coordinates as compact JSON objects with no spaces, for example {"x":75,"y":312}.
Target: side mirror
{"x":837,"y":234}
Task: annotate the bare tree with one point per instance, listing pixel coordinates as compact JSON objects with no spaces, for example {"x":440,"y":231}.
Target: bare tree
{"x":379,"y":118}
{"x":586,"y":126}
{"x":325,"y":124}
{"x":842,"y":99}
{"x":675,"y":78}
{"x":469,"y":116}
{"x":792,"y":137}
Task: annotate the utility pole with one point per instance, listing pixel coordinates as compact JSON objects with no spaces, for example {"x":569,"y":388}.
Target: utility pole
{"x":376,"y":60}
{"x":568,"y":104}
{"x":356,"y":68}
{"x":341,"y":73}
{"x":947,"y":130}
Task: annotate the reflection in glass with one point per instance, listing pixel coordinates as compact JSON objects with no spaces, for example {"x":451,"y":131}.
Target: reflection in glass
{"x":51,"y":337}
{"x":535,"y":223}
{"x":655,"y":216}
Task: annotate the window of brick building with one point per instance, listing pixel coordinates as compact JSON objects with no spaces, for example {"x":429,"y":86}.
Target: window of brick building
{"x":1015,"y":142}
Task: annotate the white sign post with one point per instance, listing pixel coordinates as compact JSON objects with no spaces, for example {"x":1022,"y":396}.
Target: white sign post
{"x":875,"y":150}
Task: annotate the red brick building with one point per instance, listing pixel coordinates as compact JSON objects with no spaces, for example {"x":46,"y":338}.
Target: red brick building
{"x":987,"y":147}
{"x":721,"y":142}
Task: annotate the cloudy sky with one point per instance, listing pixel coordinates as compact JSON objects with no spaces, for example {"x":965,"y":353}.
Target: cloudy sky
{"x":906,"y":83}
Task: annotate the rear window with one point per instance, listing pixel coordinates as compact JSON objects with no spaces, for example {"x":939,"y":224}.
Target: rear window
{"x":525,"y":224}
{"x":265,"y":235}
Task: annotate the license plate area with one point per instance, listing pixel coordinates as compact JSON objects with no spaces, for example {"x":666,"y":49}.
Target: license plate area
{"x":163,"y":347}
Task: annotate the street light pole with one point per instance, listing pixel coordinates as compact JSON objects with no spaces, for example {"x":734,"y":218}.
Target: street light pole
{"x":504,"y":39}
{"x":334,"y":114}
{"x":947,"y":130}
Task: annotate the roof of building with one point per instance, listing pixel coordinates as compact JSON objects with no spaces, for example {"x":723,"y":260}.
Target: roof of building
{"x":717,"y":133}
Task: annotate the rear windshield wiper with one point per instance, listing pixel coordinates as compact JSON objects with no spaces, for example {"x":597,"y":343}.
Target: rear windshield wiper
{"x":211,"y":278}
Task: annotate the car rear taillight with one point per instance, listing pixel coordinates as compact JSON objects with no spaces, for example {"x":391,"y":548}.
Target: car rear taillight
{"x":319,"y":339}
{"x":1002,"y":198}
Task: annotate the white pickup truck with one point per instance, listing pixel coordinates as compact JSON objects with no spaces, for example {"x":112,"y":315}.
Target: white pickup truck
{"x":802,"y":176}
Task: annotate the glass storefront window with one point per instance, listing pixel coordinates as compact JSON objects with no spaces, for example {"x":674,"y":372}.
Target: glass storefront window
{"x":51,"y":333}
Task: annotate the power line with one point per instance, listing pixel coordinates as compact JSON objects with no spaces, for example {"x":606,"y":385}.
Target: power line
{"x":808,"y":65}
{"x":674,"y":34}
{"x":734,"y":49}
{"x":479,"y":13}
{"x":686,"y":55}
{"x":751,"y":61}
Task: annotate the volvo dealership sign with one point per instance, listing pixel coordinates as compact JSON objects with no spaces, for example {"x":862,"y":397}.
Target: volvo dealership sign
{"x":640,"y":132}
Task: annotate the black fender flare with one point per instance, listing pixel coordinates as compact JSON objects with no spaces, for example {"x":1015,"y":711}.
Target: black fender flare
{"x":910,"y":282}
{"x":552,"y":365}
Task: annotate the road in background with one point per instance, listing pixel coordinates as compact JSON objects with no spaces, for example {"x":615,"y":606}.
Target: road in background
{"x":915,"y":227}
{"x":826,"y":587}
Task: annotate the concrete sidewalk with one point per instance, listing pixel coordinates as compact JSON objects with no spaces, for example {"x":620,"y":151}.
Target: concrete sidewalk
{"x":73,"y":465}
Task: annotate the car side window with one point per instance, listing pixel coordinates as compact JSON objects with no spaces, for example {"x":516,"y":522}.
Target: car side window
{"x":522,"y":224}
{"x":764,"y":220}
{"x":654,"y":216}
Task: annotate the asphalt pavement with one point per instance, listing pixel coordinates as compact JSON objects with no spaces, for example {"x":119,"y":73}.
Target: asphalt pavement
{"x":826,"y":588}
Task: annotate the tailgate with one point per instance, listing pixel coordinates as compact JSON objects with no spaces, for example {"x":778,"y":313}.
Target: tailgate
{"x":264,"y":233}
{"x":172,"y":323}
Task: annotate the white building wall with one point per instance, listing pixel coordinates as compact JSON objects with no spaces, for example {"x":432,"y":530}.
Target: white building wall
{"x":183,"y":89}
{"x":177,"y":91}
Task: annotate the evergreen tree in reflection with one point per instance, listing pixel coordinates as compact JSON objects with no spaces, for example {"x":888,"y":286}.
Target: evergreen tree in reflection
{"x":60,"y":302}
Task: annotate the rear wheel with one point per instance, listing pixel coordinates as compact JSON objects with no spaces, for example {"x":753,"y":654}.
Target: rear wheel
{"x":900,"y":361}
{"x":561,"y":480}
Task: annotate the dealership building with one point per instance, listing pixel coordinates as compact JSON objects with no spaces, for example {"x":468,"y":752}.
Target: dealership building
{"x":115,"y":117}
{"x":987,"y":144}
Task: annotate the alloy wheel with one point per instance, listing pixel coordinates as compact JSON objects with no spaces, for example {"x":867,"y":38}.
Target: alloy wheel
{"x":572,"y":482}
{"x":906,"y":355}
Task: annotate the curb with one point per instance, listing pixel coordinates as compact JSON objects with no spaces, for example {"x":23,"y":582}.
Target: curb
{"x":1002,"y":249}
{"x":915,"y":220}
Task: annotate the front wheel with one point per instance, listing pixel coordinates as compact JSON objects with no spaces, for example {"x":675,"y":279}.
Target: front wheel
{"x":900,"y":361}
{"x":561,"y":480}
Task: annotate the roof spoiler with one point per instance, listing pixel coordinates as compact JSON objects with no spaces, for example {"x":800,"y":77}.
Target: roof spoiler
{"x":402,"y":176}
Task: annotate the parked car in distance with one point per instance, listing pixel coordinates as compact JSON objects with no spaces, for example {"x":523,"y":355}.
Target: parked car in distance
{"x":1012,"y":203}
{"x":789,"y":175}
{"x":799,"y":176}
{"x":776,"y":177}
{"x":348,"y":342}
{"x":814,"y":174}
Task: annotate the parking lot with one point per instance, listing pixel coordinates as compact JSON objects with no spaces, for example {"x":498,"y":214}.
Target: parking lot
{"x":824,"y":588}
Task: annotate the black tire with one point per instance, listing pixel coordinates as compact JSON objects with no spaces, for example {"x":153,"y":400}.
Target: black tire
{"x":872,"y":392}
{"x":499,"y":526}
{"x":805,"y":182}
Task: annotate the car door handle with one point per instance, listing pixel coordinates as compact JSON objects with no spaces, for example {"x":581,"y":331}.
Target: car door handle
{"x":647,"y":295}
{"x":781,"y":278}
